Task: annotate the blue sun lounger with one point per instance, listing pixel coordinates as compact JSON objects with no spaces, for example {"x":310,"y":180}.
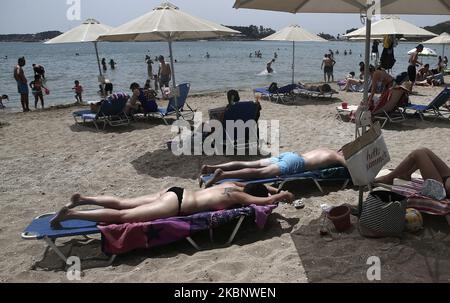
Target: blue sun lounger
{"x":434,"y":107}
{"x":111,"y":112}
{"x":171,"y":110}
{"x":280,"y":96}
{"x":39,"y":229}
{"x":122,"y":238}
{"x":332,"y":174}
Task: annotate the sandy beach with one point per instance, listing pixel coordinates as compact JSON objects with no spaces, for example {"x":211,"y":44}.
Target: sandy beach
{"x":45,"y":158}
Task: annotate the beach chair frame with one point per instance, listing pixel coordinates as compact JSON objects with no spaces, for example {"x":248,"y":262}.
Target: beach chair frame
{"x":182,"y":92}
{"x":434,"y":107}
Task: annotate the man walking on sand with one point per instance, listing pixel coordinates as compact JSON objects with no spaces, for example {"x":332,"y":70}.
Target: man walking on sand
{"x":22,"y":85}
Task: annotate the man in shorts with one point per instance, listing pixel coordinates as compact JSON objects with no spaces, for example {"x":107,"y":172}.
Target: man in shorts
{"x":22,"y":84}
{"x":285,"y":164}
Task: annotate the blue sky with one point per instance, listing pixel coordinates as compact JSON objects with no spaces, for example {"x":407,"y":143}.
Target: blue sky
{"x":31,"y":16}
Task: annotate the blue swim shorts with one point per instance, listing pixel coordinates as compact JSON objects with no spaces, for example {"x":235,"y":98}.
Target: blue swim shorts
{"x":289,"y":163}
{"x":22,"y":88}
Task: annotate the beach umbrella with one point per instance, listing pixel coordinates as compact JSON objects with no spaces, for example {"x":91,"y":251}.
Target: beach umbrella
{"x":88,"y":31}
{"x":366,"y":8}
{"x":294,"y":33}
{"x":167,"y":22}
{"x":443,"y":39}
{"x":427,"y":52}
{"x":392,"y":25}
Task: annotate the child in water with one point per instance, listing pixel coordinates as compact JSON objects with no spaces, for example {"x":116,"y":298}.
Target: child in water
{"x":78,"y":91}
{"x":3,"y":97}
{"x":36,"y":88}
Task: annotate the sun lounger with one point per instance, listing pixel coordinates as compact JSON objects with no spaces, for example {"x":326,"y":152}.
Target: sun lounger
{"x":111,"y":112}
{"x":122,"y":238}
{"x":184,"y":110}
{"x":283,"y":94}
{"x":302,"y":91}
{"x":332,"y":174}
{"x":434,"y":107}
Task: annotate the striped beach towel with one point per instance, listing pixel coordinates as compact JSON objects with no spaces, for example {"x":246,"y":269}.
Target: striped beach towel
{"x":411,"y":190}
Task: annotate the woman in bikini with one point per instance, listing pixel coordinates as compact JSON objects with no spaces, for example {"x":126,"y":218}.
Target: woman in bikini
{"x":175,"y":201}
{"x":429,"y":165}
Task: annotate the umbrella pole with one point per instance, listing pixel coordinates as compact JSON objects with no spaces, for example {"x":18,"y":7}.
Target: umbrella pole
{"x":99,"y":68}
{"x":293,"y":60}
{"x":367,"y":61}
{"x":98,"y":59}
{"x":172,"y":68}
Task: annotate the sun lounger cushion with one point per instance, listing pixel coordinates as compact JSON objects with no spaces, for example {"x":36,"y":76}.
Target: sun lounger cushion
{"x":40,"y":228}
{"x":122,"y":238}
{"x":324,"y":174}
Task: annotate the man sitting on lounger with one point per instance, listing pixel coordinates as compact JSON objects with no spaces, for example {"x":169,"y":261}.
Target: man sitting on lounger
{"x":285,"y":164}
{"x":175,"y":201}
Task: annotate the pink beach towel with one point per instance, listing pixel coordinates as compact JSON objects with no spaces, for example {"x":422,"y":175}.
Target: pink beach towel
{"x":122,"y":238}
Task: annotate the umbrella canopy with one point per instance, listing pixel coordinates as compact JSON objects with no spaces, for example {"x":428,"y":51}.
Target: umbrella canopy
{"x":427,"y":52}
{"x":443,"y":39}
{"x":293,"y":33}
{"x":88,"y":31}
{"x":167,"y":22}
{"x":392,"y":26}
{"x":408,"y":7}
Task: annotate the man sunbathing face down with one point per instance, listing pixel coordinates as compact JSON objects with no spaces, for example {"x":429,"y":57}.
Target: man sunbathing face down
{"x":285,"y":164}
{"x":171,"y":202}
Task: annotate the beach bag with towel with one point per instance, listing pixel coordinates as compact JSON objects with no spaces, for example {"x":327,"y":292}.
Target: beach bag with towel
{"x":383,"y":214}
{"x":366,"y":156}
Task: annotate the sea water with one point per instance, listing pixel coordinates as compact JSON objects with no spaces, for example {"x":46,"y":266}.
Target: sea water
{"x":229,"y":65}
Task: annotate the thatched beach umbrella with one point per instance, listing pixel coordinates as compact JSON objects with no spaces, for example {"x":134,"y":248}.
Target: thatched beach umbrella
{"x":167,"y":23}
{"x":443,"y":39}
{"x":88,"y":31}
{"x":294,"y":33}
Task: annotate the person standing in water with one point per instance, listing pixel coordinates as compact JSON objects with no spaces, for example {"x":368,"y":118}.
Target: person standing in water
{"x":269,"y":66}
{"x":36,"y":89}
{"x":164,"y":73}
{"x":149,"y":62}
{"x":22,"y":83}
{"x":39,"y":70}
{"x":112,"y":63}
{"x":104,"y":65}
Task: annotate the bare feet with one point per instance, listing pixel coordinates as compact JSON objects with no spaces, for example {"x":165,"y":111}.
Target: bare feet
{"x":384,"y":180}
{"x":55,"y":223}
{"x":74,"y":201}
{"x":205,"y":170}
{"x":216,"y":177}
{"x":200,"y":181}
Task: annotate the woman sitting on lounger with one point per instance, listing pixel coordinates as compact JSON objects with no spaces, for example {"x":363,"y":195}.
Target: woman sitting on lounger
{"x":285,"y":164}
{"x":429,"y":165}
{"x":175,"y":201}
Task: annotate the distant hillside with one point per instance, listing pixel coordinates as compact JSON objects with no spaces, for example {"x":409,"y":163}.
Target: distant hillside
{"x":252,"y":32}
{"x":29,"y":37}
{"x":439,"y":28}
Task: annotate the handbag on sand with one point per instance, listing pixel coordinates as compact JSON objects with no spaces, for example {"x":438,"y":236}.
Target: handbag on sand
{"x":366,"y":156}
{"x":383,"y":214}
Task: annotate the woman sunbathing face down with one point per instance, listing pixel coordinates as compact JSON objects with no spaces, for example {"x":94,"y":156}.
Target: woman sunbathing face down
{"x":424,"y":160}
{"x":285,"y":164}
{"x":171,"y":202}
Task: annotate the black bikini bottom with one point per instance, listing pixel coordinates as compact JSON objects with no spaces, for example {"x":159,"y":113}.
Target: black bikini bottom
{"x":179,"y":191}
